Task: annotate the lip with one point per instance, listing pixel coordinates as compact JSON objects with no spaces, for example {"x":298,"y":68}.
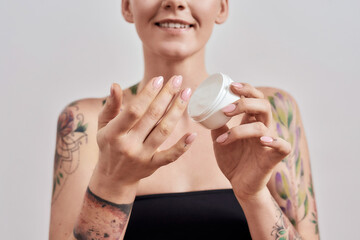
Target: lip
{"x":172,"y":20}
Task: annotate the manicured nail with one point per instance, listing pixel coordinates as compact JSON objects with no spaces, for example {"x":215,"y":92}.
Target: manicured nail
{"x":190,"y":138}
{"x":157,"y":83}
{"x":185,"y":95}
{"x":222,"y":138}
{"x":229,"y":108}
{"x":267,"y":139}
{"x":237,"y":85}
{"x":177,"y":81}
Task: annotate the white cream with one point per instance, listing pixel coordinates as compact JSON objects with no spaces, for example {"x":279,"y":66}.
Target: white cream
{"x":209,"y":98}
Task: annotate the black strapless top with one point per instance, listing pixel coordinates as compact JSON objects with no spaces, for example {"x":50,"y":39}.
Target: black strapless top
{"x":209,"y":214}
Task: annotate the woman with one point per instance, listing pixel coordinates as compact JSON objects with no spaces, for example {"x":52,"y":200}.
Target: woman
{"x":249,"y":177}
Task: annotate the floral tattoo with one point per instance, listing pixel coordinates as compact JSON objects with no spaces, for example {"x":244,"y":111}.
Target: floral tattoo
{"x":71,"y":131}
{"x":288,"y":128}
{"x":283,"y":229}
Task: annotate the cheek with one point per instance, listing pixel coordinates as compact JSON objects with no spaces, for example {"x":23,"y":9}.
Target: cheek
{"x":205,"y":29}
{"x":205,"y":12}
{"x":144,"y":12}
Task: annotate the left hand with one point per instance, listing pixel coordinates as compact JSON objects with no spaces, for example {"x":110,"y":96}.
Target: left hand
{"x":248,"y":153}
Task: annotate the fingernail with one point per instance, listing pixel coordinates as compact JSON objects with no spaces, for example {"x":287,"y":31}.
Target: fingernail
{"x":157,"y":83}
{"x":112,"y":90}
{"x":177,"y":81}
{"x":266,"y":139}
{"x":222,"y":138}
{"x":190,"y":138}
{"x":185,"y":95}
{"x":229,"y":108}
{"x":237,"y":85}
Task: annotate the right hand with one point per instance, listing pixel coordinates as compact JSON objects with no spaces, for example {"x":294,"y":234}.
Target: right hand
{"x":128,"y":139}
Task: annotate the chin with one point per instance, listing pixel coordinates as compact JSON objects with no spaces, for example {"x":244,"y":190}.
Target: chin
{"x":176,"y":51}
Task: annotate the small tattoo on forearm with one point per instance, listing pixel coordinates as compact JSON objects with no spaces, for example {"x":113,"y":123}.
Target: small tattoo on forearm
{"x":282,"y":228}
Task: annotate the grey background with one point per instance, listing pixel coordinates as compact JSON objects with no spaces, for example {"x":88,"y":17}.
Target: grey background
{"x":54,"y":52}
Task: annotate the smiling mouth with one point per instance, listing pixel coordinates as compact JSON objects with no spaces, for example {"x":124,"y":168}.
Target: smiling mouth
{"x":173,"y":25}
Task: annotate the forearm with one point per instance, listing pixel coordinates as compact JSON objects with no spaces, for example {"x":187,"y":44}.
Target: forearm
{"x":266,"y":220}
{"x":105,"y":210}
{"x":100,"y":218}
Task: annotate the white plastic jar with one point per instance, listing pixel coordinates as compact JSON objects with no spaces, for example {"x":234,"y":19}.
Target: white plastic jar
{"x":209,"y":98}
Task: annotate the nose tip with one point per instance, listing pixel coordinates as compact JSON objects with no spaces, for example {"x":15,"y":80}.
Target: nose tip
{"x":173,"y":4}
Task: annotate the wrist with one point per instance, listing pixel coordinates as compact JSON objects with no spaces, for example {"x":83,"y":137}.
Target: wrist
{"x":254,"y":200}
{"x":112,"y":190}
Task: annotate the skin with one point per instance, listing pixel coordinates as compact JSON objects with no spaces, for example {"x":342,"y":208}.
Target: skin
{"x":69,"y":139}
{"x":138,"y":146}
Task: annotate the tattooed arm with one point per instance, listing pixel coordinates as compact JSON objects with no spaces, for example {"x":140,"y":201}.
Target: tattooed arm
{"x":266,"y":220}
{"x":76,"y":211}
{"x":261,"y":159}
{"x":288,"y":210}
{"x":101,"y":219}
{"x":291,"y":183}
{"x":126,"y":153}
{"x":75,"y":158}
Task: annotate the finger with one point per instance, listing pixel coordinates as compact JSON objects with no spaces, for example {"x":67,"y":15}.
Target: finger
{"x":172,"y":154}
{"x":112,"y":106}
{"x":280,"y":147}
{"x":157,"y":108}
{"x":168,"y":123}
{"x":248,"y":119}
{"x":245,"y":89}
{"x":251,"y":106}
{"x":245,"y":131}
{"x":136,"y":109}
{"x":215,"y":133}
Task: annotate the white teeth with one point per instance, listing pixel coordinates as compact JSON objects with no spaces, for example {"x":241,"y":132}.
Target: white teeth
{"x":173,"y":25}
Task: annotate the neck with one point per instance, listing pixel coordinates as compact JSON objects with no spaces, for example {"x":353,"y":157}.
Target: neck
{"x":191,"y":68}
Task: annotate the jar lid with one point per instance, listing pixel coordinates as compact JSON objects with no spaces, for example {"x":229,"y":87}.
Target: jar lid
{"x":206,"y":97}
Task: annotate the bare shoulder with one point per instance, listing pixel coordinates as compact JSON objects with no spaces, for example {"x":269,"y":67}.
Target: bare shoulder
{"x":86,"y":105}
{"x":285,"y":112}
{"x":277,"y":92}
{"x":76,"y":130}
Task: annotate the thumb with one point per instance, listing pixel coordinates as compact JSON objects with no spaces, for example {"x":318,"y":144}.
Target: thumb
{"x":217,"y":132}
{"x":112,"y":106}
